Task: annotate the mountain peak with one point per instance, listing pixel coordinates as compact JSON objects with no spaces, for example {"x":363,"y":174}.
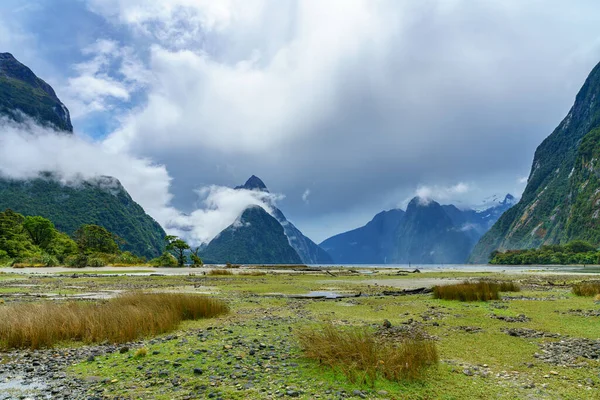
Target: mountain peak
{"x":254,"y":183}
{"x":23,"y":93}
{"x":509,"y":199}
{"x":419,"y":201}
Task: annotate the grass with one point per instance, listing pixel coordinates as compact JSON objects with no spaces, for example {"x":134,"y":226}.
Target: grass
{"x":119,"y":320}
{"x":588,"y":289}
{"x":252,"y":273}
{"x":220,"y":272}
{"x":474,"y":291}
{"x":363,"y":358}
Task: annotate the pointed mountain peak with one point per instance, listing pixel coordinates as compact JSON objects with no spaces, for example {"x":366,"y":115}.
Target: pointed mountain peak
{"x":421,"y":202}
{"x":254,"y":183}
{"x":509,"y":199}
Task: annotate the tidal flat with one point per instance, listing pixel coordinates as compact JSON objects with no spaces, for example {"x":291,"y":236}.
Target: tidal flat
{"x":540,"y":343}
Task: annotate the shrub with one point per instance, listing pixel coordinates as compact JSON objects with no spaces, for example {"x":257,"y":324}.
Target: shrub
{"x":219,"y":272}
{"x":468,"y":291}
{"x":588,"y":289}
{"x":363,"y":358}
{"x":141,"y":352}
{"x":509,"y":286}
{"x":122,"y":319}
{"x":253,"y":273}
{"x":165,"y":260}
{"x":95,"y":262}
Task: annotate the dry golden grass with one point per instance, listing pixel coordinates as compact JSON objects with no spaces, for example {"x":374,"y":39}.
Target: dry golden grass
{"x":118,"y":320}
{"x":474,"y":291}
{"x":363,"y":358}
{"x":141,"y":352}
{"x":589,"y":289}
{"x":597,"y":298}
{"x":219,"y":272}
{"x":253,"y":273}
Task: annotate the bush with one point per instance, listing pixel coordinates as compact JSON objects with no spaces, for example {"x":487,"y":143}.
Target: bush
{"x":469,"y":291}
{"x":588,"y":289}
{"x":165,"y":260}
{"x":119,"y":320}
{"x":363,"y":358}
{"x":219,"y":272}
{"x":141,"y":352}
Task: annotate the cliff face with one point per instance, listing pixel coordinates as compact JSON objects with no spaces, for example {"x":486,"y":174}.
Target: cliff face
{"x":562,"y":199}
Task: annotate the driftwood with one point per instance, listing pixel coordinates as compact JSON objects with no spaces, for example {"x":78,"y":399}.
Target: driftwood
{"x":329,"y":273}
{"x":405,"y":292}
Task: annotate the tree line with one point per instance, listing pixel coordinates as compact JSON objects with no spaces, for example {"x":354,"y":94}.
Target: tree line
{"x":575,"y":252}
{"x":34,"y":241}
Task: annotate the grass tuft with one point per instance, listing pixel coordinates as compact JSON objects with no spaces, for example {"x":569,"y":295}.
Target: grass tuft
{"x":253,"y":273}
{"x":474,"y":291}
{"x":588,"y":289}
{"x":141,"y":352}
{"x":363,"y":358}
{"x":119,"y":320}
{"x":219,"y":272}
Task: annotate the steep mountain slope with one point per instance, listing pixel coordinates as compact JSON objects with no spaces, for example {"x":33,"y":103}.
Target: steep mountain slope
{"x":255,"y":238}
{"x":428,"y":235}
{"x":391,"y":238}
{"x":309,"y":251}
{"x":102,"y":201}
{"x":369,"y":244}
{"x":562,"y":199}
{"x":23,"y":92}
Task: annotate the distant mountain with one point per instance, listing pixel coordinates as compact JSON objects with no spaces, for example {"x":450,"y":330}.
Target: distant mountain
{"x":427,"y":233}
{"x":309,"y":251}
{"x":254,"y":238}
{"x":370,"y":244}
{"x":562,"y":199}
{"x":23,"y":93}
{"x":102,"y":201}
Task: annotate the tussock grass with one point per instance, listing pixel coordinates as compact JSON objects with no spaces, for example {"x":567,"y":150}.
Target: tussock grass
{"x":474,"y":291}
{"x":141,"y":352}
{"x":253,"y":273}
{"x":363,"y":358}
{"x":219,"y":272}
{"x":122,"y":319}
{"x":588,"y":289}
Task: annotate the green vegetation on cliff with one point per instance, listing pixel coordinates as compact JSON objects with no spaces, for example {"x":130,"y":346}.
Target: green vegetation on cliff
{"x":561,"y":202}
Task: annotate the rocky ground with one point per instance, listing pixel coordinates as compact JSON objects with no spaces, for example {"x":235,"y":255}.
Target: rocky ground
{"x":514,"y":348}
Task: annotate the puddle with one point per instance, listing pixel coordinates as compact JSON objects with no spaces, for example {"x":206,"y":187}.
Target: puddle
{"x":16,"y":387}
{"x":314,"y":295}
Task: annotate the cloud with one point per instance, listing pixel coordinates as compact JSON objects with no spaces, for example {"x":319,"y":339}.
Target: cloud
{"x":523,"y":180}
{"x":442,"y":193}
{"x":305,"y":195}
{"x":106,"y":80}
{"x":26,"y":150}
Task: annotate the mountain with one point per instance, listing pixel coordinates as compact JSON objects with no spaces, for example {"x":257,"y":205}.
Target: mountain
{"x":562,"y":199}
{"x":102,"y":201}
{"x":254,"y":238}
{"x":426,"y":233}
{"x":370,"y":244}
{"x":21,"y":92}
{"x":309,"y":251}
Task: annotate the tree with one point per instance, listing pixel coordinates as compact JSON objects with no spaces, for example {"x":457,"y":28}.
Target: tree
{"x":196,"y":260}
{"x":178,"y":247}
{"x":94,"y":238}
{"x":579,"y":246}
{"x":40,"y":230}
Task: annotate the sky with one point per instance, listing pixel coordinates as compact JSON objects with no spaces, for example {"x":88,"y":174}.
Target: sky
{"x":344,"y":108}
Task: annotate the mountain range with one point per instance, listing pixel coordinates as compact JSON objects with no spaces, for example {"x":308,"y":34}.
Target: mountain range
{"x":102,"y":201}
{"x":561,"y":202}
{"x":426,"y":233}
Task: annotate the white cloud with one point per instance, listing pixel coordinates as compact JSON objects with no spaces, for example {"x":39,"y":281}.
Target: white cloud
{"x":112,"y":74}
{"x":27,"y":150}
{"x":305,"y":196}
{"x":523,"y":180}
{"x":442,"y":193}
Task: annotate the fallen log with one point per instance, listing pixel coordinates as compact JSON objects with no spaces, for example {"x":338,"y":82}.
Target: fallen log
{"x":406,"y":292}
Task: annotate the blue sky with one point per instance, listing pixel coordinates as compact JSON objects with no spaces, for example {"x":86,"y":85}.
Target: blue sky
{"x":344,"y":107}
